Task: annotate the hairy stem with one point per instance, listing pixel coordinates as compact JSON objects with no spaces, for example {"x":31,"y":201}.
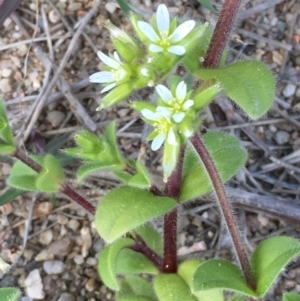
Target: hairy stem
{"x":225,"y":208}
{"x":172,"y":190}
{"x":67,"y":190}
{"x":221,"y":33}
{"x":141,"y":247}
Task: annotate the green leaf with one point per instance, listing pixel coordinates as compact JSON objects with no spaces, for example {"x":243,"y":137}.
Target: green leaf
{"x":239,"y":298}
{"x":186,"y":271}
{"x":130,"y":262}
{"x":270,"y":258}
{"x":151,"y":237}
{"x":228,"y":155}
{"x":133,"y":285}
{"x":125,"y":208}
{"x":110,"y":136}
{"x":6,"y":149}
{"x":291,"y":297}
{"x":22,"y":177}
{"x":220,"y":274}
{"x":171,"y":287}
{"x":107,"y":262}
{"x":142,"y":178}
{"x":124,"y":6}
{"x":250,"y":84}
{"x":89,"y":168}
{"x":9,"y":195}
{"x":207,"y":4}
{"x":51,"y":177}
{"x":5,"y":131}
{"x":9,"y":294}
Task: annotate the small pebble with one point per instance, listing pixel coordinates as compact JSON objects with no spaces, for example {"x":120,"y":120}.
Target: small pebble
{"x":73,"y":224}
{"x":5,"y":86}
{"x":62,"y":219}
{"x":78,"y":259}
{"x":87,"y":241}
{"x":282,"y":137}
{"x":53,"y":16}
{"x":90,"y":285}
{"x":66,"y":297}
{"x":91,"y":261}
{"x":111,"y":7}
{"x":54,"y":267}
{"x":61,"y":247}
{"x":44,"y":255}
{"x":6,"y":72}
{"x":56,"y":118}
{"x":289,"y":90}
{"x":46,"y":237}
{"x":34,"y":285}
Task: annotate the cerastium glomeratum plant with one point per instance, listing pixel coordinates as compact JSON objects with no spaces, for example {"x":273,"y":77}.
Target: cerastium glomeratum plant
{"x":194,"y":162}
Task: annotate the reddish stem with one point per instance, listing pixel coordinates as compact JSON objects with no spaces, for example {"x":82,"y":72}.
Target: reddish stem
{"x":221,"y":33}
{"x":172,"y":190}
{"x":141,"y":247}
{"x":68,"y":191}
{"x":225,"y":208}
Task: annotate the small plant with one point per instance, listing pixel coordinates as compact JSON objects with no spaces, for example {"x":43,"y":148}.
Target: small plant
{"x":193,"y":163}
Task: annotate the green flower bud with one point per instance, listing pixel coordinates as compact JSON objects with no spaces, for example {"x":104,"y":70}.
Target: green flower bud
{"x":134,"y":22}
{"x":141,"y":105}
{"x":206,"y":93}
{"x":126,"y":46}
{"x":145,"y":77}
{"x":116,"y":95}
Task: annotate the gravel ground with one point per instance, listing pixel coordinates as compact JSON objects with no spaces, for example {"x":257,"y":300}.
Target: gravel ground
{"x":56,"y":256}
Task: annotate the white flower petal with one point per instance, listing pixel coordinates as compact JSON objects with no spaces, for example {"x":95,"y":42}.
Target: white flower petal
{"x":189,"y":103}
{"x":181,"y":91}
{"x":107,"y":88}
{"x":177,"y":117}
{"x":148,"y":31}
{"x":158,"y":141}
{"x":163,"y":19}
{"x":155,"y":48}
{"x":164,"y":93}
{"x":178,"y":50}
{"x":150,"y":115}
{"x":182,"y":31}
{"x":171,"y":139}
{"x":101,"y":77}
{"x":166,"y":112}
{"x":107,"y":60}
{"x":122,"y":74}
{"x":117,"y":56}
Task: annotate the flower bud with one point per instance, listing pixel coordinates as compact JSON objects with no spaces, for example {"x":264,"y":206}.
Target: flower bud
{"x":116,"y":95}
{"x":206,"y":93}
{"x":126,"y":46}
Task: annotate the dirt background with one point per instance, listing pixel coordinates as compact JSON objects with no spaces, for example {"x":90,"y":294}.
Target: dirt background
{"x":54,"y":245}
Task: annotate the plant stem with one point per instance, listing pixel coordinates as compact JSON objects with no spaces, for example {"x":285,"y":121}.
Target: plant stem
{"x":67,"y":190}
{"x":172,"y":190}
{"x":225,"y":208}
{"x":221,"y":33}
{"x":142,"y":247}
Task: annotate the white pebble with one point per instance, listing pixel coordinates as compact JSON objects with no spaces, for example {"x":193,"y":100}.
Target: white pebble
{"x":289,"y":90}
{"x":34,"y":285}
{"x":54,"y":267}
{"x":46,"y":237}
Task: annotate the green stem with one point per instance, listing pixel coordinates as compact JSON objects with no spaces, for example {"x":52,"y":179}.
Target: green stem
{"x":66,"y":190}
{"x":226,"y":209}
{"x":221,"y":33}
{"x":172,"y":190}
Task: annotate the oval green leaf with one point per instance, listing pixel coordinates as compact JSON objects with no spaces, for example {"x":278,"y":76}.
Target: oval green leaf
{"x":51,"y":177}
{"x":135,"y":298}
{"x":250,"y":84}
{"x":171,"y":287}
{"x":270,"y":258}
{"x":125,"y":208}
{"x":220,"y":274}
{"x":107,"y":262}
{"x":130,"y":262}
{"x":228,"y":155}
{"x":133,"y":285}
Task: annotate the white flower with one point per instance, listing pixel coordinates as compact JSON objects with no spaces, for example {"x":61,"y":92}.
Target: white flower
{"x":177,"y":104}
{"x":165,"y":40}
{"x":111,"y":78}
{"x":163,"y":128}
